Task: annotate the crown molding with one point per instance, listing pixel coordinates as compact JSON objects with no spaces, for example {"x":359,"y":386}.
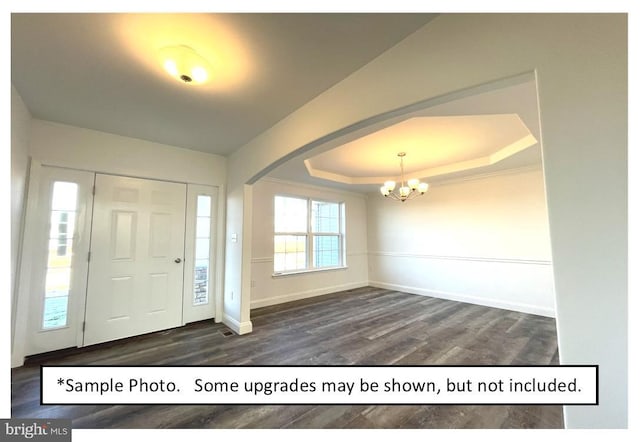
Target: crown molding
{"x":298,"y":184}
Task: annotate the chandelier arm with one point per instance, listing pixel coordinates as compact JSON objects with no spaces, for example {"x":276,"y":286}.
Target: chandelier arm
{"x":405,"y":192}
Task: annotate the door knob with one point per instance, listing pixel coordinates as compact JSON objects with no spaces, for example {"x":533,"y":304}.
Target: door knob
{"x":177,"y":260}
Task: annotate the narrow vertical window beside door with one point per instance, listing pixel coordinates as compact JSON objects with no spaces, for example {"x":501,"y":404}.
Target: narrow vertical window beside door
{"x":64,"y":206}
{"x":203,"y":247}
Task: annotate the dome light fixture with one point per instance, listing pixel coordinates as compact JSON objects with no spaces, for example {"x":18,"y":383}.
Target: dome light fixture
{"x":185,"y":64}
{"x":407,"y":191}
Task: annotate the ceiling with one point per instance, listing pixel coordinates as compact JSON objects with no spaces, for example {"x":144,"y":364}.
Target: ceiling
{"x":490,"y":130}
{"x":103,"y":71}
{"x":428,"y":142}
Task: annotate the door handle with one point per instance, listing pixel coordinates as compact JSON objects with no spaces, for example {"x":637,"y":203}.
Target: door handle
{"x":177,"y":260}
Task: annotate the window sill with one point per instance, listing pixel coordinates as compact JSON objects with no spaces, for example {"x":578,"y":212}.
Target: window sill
{"x":306,"y":271}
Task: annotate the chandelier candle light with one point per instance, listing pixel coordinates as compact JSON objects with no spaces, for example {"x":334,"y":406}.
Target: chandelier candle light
{"x":407,"y":191}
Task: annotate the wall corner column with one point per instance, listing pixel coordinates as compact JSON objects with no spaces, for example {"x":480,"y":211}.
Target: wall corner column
{"x":237,"y":282}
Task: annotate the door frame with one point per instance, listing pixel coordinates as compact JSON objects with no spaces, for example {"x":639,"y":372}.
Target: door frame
{"x":29,"y":246}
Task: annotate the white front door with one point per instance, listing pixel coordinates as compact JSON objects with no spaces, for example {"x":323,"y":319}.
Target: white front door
{"x":137,"y":258}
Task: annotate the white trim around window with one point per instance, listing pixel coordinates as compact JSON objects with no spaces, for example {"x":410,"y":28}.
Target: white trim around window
{"x":309,"y":235}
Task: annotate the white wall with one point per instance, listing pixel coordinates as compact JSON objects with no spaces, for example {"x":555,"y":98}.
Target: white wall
{"x":483,"y":240}
{"x":20,"y":122}
{"x":55,"y":144}
{"x":580,"y":62}
{"x":269,"y":290}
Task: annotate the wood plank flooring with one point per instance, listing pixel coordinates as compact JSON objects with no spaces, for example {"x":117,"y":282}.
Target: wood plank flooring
{"x":361,"y":326}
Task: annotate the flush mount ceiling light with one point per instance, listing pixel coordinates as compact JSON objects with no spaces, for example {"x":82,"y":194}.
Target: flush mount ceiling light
{"x":185,"y":64}
{"x":407,"y":191}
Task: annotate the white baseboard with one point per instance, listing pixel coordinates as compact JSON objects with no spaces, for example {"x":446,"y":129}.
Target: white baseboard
{"x":240,"y":328}
{"x":306,"y":294}
{"x":471,"y":299}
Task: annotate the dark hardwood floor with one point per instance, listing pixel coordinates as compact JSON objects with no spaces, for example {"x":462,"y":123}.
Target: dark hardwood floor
{"x":362,"y":326}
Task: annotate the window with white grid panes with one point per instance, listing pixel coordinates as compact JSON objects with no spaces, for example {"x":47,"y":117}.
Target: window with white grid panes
{"x":325,"y":227}
{"x":308,"y":234}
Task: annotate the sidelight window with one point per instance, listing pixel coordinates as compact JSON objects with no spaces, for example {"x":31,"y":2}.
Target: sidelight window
{"x":62,"y":226}
{"x":201,"y":279}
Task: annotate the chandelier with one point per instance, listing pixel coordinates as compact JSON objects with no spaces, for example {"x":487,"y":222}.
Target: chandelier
{"x":407,"y":191}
